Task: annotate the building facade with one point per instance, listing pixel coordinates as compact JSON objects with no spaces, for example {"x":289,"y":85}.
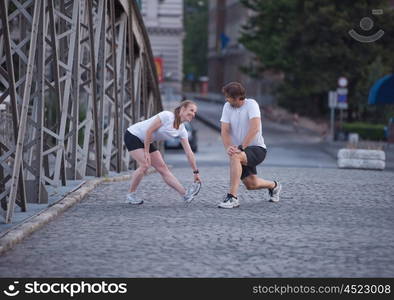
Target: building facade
{"x":164,"y":23}
{"x":226,"y":56}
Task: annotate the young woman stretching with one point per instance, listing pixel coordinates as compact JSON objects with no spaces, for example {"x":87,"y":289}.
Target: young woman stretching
{"x":165,"y":125}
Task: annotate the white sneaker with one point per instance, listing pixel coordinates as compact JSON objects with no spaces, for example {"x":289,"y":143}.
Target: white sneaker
{"x":192,"y":191}
{"x":131,"y":199}
{"x":274,"y":193}
{"x":229,"y":202}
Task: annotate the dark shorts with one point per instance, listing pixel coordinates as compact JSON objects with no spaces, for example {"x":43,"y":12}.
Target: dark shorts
{"x":255,"y":156}
{"x":132,"y":143}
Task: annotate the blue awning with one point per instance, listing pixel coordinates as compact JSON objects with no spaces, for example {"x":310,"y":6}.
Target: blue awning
{"x":382,"y":92}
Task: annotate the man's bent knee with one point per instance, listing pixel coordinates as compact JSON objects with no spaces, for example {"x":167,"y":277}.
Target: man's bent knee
{"x":237,"y":156}
{"x":241,"y":157}
{"x":249,"y":184}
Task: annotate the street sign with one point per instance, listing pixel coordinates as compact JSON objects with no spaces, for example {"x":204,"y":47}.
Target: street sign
{"x":342,"y":91}
{"x":342,"y":98}
{"x":342,"y":101}
{"x":332,"y":99}
{"x":342,"y":82}
{"x":332,"y":104}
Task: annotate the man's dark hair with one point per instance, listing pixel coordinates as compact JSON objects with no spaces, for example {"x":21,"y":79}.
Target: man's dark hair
{"x":234,"y":90}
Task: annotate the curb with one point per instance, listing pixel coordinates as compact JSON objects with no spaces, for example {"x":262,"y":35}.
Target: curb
{"x":16,"y":234}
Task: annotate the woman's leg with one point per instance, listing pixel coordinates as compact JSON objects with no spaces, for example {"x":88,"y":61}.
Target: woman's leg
{"x":139,"y":156}
{"x":161,"y":167}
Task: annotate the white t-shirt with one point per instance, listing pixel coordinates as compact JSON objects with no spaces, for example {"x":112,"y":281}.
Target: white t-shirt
{"x":239,"y":117}
{"x":166,"y":130}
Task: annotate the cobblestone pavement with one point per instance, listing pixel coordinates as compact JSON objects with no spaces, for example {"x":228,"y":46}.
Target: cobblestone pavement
{"x":329,"y":223}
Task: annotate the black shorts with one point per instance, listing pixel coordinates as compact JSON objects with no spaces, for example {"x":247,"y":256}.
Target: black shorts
{"x":255,"y":156}
{"x":132,"y":142}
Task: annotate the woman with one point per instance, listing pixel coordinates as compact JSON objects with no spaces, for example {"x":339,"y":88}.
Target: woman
{"x":139,"y":137}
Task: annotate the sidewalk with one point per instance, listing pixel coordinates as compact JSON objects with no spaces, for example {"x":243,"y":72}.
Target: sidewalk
{"x":59,"y":200}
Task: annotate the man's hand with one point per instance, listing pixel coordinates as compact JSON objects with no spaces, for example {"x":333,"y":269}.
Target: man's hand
{"x":232,"y":150}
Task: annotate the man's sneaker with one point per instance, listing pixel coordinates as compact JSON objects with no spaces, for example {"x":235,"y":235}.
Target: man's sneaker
{"x":229,"y":202}
{"x":131,"y":199}
{"x":192,"y":191}
{"x":274,"y":193}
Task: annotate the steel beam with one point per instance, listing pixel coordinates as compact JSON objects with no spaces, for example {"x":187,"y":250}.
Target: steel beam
{"x":77,"y":73}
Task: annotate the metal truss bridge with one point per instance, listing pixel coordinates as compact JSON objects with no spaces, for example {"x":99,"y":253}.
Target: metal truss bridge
{"x":73,"y":75}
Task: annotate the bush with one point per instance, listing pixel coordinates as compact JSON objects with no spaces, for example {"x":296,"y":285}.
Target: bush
{"x":373,"y":132}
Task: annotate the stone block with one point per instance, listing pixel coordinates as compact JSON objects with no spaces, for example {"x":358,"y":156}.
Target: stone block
{"x":361,"y":154}
{"x":361,"y":159}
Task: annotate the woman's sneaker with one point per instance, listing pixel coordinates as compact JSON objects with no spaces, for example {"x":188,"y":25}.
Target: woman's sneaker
{"x":274,"y":193}
{"x":131,"y":199}
{"x":229,"y":202}
{"x":192,"y":191}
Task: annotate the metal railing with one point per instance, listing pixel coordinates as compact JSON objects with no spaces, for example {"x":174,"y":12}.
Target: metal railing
{"x":77,"y":73}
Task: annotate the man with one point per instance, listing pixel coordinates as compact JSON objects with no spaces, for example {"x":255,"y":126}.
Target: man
{"x":244,"y":143}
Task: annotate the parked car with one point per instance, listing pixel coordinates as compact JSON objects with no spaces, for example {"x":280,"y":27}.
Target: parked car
{"x":175,"y":143}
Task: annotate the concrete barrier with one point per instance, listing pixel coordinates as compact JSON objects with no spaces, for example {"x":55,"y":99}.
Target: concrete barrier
{"x":361,"y":159}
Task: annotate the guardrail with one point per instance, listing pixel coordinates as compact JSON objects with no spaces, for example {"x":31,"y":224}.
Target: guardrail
{"x":77,"y":73}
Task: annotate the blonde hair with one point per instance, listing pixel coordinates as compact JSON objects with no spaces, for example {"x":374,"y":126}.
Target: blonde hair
{"x":177,"y":120}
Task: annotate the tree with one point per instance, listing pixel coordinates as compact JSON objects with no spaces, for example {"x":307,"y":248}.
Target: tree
{"x":309,"y":42}
{"x":196,"y":37}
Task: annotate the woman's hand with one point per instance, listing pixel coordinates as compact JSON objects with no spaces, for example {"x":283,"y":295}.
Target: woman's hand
{"x":147,"y":158}
{"x":197,"y":178}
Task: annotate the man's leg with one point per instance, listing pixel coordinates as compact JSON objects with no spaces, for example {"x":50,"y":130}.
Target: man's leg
{"x":252,"y":182}
{"x":236,"y":162}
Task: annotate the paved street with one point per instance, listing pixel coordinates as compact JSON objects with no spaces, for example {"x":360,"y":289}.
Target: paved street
{"x":329,"y":223}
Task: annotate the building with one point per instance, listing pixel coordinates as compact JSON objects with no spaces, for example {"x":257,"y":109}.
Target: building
{"x":226,"y":55}
{"x":164,"y":23}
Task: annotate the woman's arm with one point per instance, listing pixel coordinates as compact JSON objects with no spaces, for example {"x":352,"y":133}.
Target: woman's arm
{"x":190,"y":157}
{"x":156,"y":124}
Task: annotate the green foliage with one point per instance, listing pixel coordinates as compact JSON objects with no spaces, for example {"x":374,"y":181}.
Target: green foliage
{"x":308,"y":41}
{"x":195,"y":44}
{"x":372,"y":132}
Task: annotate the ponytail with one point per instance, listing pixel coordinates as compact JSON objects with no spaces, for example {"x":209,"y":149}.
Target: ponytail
{"x":177,"y":119}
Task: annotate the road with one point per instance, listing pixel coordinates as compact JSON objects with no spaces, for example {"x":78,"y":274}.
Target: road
{"x":329,"y":223}
{"x":285,"y":148}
